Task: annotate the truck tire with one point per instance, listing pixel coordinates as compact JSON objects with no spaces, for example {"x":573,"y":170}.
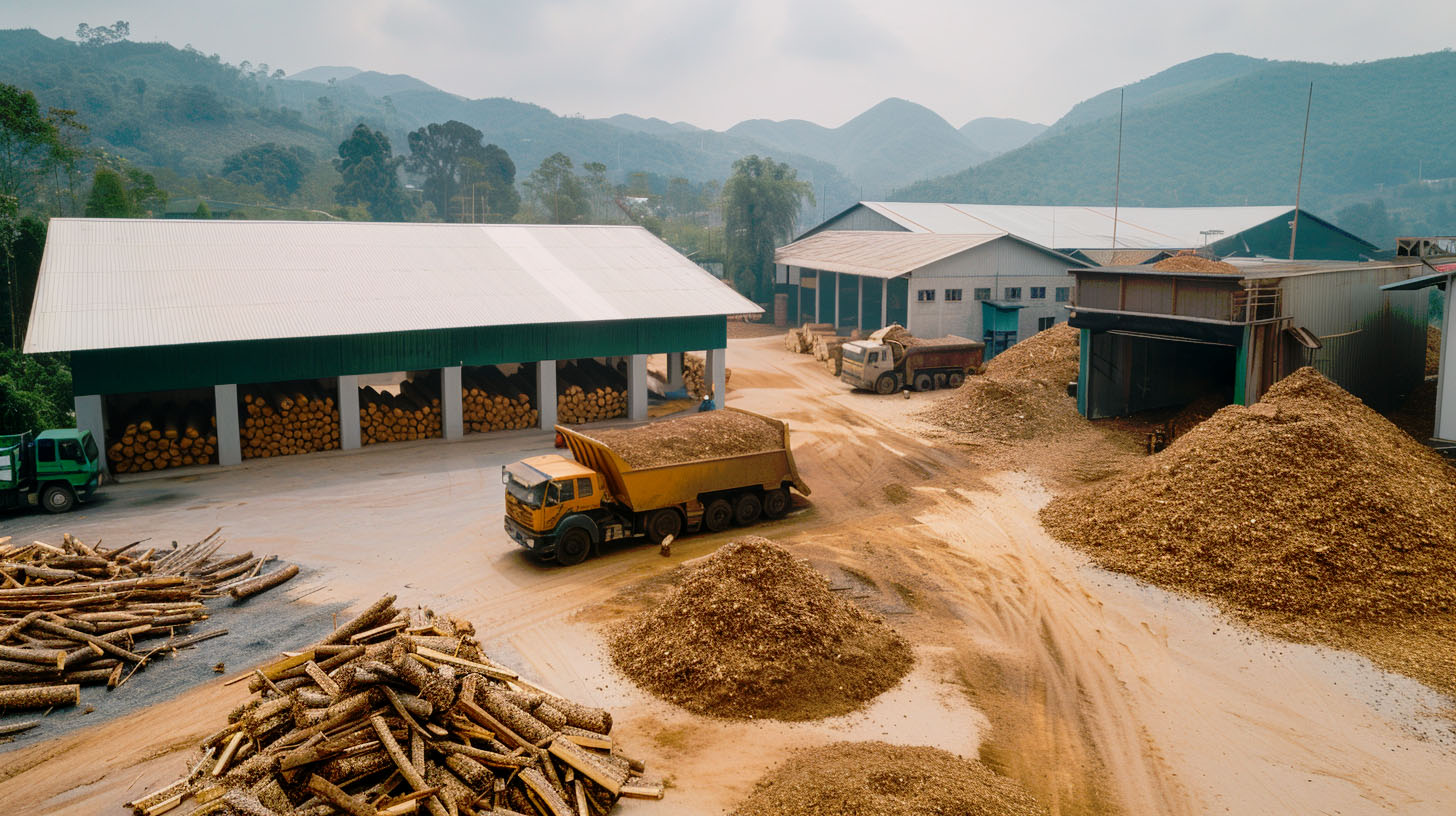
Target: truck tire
{"x":940,"y":379}
{"x":717,"y":516}
{"x":776,"y":503}
{"x":573,"y":547}
{"x":57,"y":498}
{"x":955,"y":380}
{"x":663,"y":523}
{"x":923,"y":382}
{"x":747,"y":508}
{"x":885,"y":385}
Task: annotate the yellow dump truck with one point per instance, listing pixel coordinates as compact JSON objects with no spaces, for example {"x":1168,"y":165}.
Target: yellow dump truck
{"x":706,"y":471}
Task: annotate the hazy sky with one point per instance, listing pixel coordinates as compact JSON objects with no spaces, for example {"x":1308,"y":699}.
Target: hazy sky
{"x":716,"y":63}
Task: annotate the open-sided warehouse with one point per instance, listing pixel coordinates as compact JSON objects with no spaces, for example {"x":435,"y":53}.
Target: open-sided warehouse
{"x":189,"y":319}
{"x":1438,"y":268}
{"x":1156,"y":338}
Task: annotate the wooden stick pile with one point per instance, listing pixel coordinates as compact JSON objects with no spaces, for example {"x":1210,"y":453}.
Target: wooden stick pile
{"x":75,"y":615}
{"x":589,"y":391}
{"x":160,"y":437}
{"x":400,"y":712}
{"x":825,"y":344}
{"x":289,"y":419}
{"x":801,"y":340}
{"x":695,"y":376}
{"x":495,"y":402}
{"x":412,"y":414}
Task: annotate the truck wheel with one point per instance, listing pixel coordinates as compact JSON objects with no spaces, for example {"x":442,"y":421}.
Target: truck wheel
{"x":57,"y":499}
{"x":885,"y":385}
{"x":923,"y":382}
{"x":573,"y":547}
{"x":718,"y":515}
{"x":747,"y":509}
{"x":955,"y":380}
{"x":664,"y":523}
{"x":776,"y":503}
{"x":940,"y":379}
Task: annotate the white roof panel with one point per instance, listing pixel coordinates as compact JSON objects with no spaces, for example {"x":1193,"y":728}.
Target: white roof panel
{"x":115,"y":283}
{"x":877,"y":254}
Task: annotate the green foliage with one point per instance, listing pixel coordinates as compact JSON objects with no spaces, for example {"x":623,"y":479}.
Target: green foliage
{"x":147,"y":200}
{"x":1369,"y":220}
{"x":193,"y":104}
{"x":27,"y":140}
{"x":103,"y":35}
{"x":109,"y":197}
{"x":35,"y":392}
{"x":278,"y":169}
{"x":556,"y":193}
{"x":202,"y":213}
{"x":760,"y":204}
{"x":21,"y":261}
{"x":462,"y":176}
{"x":370,"y":175}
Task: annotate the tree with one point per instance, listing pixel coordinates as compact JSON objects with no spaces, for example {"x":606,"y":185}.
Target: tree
{"x":147,"y":199}
{"x":103,"y":35}
{"x":109,"y":197}
{"x":35,"y":392}
{"x":64,"y":161}
{"x":599,"y":192}
{"x":279,"y":170}
{"x":556,"y":191}
{"x":197,"y":103}
{"x":760,"y":204}
{"x":202,"y":213}
{"x":438,"y":152}
{"x":27,"y":139}
{"x":370,"y":175}
{"x":22,"y":242}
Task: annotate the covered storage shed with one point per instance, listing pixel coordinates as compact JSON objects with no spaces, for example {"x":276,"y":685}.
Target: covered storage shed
{"x":185,"y":313}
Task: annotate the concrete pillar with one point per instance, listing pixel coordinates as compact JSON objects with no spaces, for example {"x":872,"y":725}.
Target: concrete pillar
{"x":637,"y":387}
{"x":1446,"y":374}
{"x":859,"y":302}
{"x":798,"y":299}
{"x":546,"y":393}
{"x":835,"y":318}
{"x":452,"y":403}
{"x":229,"y":442}
{"x":89,"y":417}
{"x":716,"y":375}
{"x":884,"y":302}
{"x":348,"y":402}
{"x":674,"y":370}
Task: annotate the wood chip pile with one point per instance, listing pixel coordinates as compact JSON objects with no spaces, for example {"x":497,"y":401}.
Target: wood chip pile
{"x":752,"y":632}
{"x":1187,"y":261}
{"x":1022,"y":393}
{"x":588,"y":391}
{"x":414,"y":413}
{"x":695,"y":376}
{"x":157,"y":437}
{"x":885,"y":780}
{"x":290,"y":419}
{"x":78,"y":614}
{"x":1433,"y":350}
{"x":496,"y":402}
{"x":687,"y":439}
{"x":801,"y":340}
{"x":1307,"y":503}
{"x":400,"y":711}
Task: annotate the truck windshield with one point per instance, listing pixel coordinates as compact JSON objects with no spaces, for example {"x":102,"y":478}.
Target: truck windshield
{"x":529,"y":496}
{"x":91,"y":452}
{"x":854,"y":353}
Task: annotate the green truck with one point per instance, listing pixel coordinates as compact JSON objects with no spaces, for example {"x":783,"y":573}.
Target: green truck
{"x":54,"y":469}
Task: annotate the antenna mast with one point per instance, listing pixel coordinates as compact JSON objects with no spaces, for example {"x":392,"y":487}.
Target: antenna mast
{"x":1299,"y":185}
{"x":1117,"y":184}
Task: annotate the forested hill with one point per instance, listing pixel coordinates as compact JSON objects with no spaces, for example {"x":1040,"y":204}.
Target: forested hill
{"x":1377,"y":130}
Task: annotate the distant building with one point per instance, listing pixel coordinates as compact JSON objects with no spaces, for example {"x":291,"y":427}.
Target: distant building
{"x":1438,"y":268}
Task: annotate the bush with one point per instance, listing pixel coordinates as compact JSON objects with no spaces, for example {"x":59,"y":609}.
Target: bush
{"x":35,"y":392}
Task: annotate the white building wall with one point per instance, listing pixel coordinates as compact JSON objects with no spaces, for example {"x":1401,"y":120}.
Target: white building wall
{"x":995,"y":266}
{"x":859,"y":218}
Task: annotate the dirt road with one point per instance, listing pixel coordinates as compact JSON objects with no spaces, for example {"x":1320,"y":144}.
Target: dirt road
{"x":1099,"y":694}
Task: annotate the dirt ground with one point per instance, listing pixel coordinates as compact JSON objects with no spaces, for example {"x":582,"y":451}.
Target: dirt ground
{"x":1099,"y":694}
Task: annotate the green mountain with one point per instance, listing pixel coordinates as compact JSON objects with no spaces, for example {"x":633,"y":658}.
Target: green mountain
{"x":1182,"y":80}
{"x":997,"y":135}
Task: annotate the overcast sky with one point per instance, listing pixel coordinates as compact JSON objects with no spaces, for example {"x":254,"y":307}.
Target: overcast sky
{"x":716,"y":63}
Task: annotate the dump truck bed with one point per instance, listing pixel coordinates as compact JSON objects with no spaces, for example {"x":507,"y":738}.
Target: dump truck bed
{"x":674,"y":483}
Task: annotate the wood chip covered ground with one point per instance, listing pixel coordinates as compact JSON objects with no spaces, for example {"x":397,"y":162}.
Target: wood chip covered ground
{"x":687,"y":439}
{"x":752,"y":632}
{"x":1192,"y":262}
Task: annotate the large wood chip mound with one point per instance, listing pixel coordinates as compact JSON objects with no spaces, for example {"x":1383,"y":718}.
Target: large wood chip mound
{"x":1022,"y":393}
{"x":753,"y":632}
{"x":687,"y":439}
{"x":1189,"y":262}
{"x":853,"y":778}
{"x":1307,"y":503}
{"x":1433,"y":351}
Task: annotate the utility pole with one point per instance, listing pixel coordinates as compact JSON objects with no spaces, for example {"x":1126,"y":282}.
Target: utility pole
{"x":1117,"y":184}
{"x":1299,"y":185}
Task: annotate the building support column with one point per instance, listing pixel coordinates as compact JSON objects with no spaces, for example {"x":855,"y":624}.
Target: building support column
{"x":229,"y":440}
{"x":1446,"y":375}
{"x":716,"y":375}
{"x":798,"y":298}
{"x":90,"y":417}
{"x":452,"y":404}
{"x":835,"y":319}
{"x":674,"y":371}
{"x":859,"y":301}
{"x":348,"y":402}
{"x":546,"y":393}
{"x":884,"y":302}
{"x":637,"y":387}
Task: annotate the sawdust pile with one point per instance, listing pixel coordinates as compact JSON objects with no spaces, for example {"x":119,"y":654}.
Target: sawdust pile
{"x":1306,"y":504}
{"x":687,"y":439}
{"x":752,"y":632}
{"x":1022,"y":393}
{"x":1433,"y":351}
{"x":852,"y":778}
{"x":1192,"y":262}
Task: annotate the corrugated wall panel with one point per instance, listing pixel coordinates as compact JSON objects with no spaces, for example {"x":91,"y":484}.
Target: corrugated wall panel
{"x":1098,"y":291}
{"x":1148,"y":295}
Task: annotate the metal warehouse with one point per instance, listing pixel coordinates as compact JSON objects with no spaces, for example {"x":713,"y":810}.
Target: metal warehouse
{"x":223,"y":316}
{"x":1438,"y":268}
{"x":1153,"y":338}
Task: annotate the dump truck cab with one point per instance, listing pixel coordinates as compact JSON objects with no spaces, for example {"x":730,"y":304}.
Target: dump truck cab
{"x":545,"y":495}
{"x":54,"y":468}
{"x":869,"y":364}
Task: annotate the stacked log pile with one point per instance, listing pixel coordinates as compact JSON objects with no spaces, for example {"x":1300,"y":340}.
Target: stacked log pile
{"x":413,"y":413}
{"x":400,"y":711}
{"x":78,"y":614}
{"x":166,"y":436}
{"x":801,"y":340}
{"x":289,"y":419}
{"x":825,"y":344}
{"x":695,"y":376}
{"x":588,"y":391}
{"x":834,"y":360}
{"x":496,"y":402}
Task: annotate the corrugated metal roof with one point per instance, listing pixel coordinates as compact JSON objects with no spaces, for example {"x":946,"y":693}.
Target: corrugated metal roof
{"x":119,"y":283}
{"x":1257,"y":268}
{"x":1082,"y":227}
{"x":875,"y":253}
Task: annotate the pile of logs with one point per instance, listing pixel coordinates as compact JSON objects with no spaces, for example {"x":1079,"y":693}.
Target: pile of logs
{"x":495,"y":402}
{"x":166,"y":436}
{"x":588,"y":391}
{"x":827,"y":344}
{"x":414,"y":413}
{"x":801,"y":340}
{"x":400,"y":711}
{"x":695,"y":376}
{"x":834,"y":360}
{"x":77,"y":614}
{"x":288,"y":419}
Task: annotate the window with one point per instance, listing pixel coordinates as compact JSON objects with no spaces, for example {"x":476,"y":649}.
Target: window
{"x":1064,"y":294}
{"x":583,"y":488}
{"x":1013,"y":293}
{"x":925,"y":295}
{"x":1044,"y":323}
{"x":874,"y":357}
{"x":1038,"y":293}
{"x":952,"y":295}
{"x":45,"y":450}
{"x":71,"y":451}
{"x":983,"y":294}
